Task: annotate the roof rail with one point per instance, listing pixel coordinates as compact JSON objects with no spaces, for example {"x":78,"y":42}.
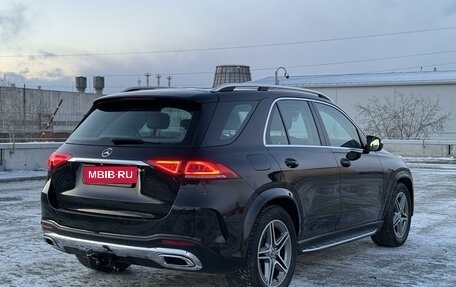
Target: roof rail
{"x":232,"y":87}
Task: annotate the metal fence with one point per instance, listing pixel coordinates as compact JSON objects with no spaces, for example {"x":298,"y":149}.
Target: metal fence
{"x":28,"y":135}
{"x":37,"y":127}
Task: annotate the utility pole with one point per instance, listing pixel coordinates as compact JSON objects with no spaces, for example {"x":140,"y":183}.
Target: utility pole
{"x":24,"y":104}
{"x":158,"y":79}
{"x":139,"y":82}
{"x":147,"y":78}
{"x":169,"y":80}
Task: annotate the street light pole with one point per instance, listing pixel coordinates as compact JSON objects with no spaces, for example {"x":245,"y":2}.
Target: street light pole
{"x":276,"y":82}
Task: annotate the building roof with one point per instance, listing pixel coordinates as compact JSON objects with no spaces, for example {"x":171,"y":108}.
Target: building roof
{"x":366,"y":79}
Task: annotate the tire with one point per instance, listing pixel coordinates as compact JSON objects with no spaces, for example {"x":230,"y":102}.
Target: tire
{"x":102,"y":263}
{"x":273,"y":225}
{"x":396,"y":225}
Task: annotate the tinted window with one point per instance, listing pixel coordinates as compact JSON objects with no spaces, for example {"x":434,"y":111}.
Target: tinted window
{"x":298,"y":122}
{"x":276,"y":133}
{"x":340,"y":129}
{"x":228,"y":121}
{"x":235,"y":120}
{"x":291,"y":122}
{"x":137,"y":121}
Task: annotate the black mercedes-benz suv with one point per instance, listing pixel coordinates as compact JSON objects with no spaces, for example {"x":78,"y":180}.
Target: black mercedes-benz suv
{"x":236,"y":180}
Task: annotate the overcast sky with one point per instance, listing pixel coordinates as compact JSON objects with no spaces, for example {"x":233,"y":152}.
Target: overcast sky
{"x":49,"y":42}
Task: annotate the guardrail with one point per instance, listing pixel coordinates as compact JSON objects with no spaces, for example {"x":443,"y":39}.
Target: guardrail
{"x":426,"y":148}
{"x":29,"y":135}
{"x":26,"y":156}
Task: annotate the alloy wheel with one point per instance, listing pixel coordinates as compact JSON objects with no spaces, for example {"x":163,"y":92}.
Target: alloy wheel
{"x":401,"y":215}
{"x":274,"y":253}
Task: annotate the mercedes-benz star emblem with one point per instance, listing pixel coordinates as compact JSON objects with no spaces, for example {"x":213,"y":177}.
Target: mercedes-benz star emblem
{"x":107,"y":152}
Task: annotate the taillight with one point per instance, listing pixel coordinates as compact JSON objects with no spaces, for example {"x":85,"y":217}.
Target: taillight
{"x":194,"y":169}
{"x":207,"y":170}
{"x":57,"y":159}
{"x":171,"y":166}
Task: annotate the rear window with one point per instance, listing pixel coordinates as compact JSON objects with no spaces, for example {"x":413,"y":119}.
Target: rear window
{"x":138,"y":122}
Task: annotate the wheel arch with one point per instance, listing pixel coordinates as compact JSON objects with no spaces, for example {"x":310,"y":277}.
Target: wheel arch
{"x":403,"y":176}
{"x":275,"y":196}
{"x":408,"y":183}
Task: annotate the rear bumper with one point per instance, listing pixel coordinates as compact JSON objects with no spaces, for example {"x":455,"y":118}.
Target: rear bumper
{"x":166,"y":257}
{"x":206,"y":216}
{"x":160,"y":251}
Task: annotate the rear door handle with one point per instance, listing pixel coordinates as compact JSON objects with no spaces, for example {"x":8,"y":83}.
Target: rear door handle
{"x":291,"y":162}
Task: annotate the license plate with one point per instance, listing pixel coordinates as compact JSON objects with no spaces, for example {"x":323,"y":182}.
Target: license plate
{"x":110,"y":175}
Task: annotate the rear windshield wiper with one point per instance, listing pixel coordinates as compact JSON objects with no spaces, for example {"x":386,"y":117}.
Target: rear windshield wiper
{"x":126,"y":140}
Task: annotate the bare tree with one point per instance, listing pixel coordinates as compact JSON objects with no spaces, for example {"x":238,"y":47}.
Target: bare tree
{"x":403,"y":117}
{"x":4,"y":81}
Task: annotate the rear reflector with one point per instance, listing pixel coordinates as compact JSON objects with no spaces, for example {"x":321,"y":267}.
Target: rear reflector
{"x":46,"y":224}
{"x":174,"y":242}
{"x":57,"y":159}
{"x":194,"y":169}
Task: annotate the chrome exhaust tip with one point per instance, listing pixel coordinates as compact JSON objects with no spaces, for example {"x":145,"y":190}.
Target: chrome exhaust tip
{"x":49,"y":240}
{"x":177,"y":262}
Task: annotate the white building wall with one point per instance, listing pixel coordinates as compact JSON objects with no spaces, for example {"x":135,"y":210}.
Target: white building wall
{"x":349,"y":97}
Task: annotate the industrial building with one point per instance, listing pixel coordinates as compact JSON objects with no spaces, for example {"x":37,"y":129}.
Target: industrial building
{"x":28,"y":114}
{"x":348,"y":90}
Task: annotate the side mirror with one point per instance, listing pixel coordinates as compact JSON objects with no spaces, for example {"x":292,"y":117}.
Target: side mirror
{"x":374,"y":143}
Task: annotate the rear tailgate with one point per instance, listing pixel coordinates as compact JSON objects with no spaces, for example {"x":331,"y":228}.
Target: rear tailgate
{"x":105,"y":169}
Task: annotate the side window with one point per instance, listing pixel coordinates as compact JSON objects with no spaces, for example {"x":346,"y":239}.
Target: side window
{"x":299,"y":123}
{"x":340,"y":130}
{"x":291,"y":122}
{"x":276,"y":133}
{"x":229,"y":119}
{"x":235,"y":120}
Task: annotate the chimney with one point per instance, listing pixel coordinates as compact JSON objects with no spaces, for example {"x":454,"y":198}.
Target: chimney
{"x":81,"y":84}
{"x":98,"y":84}
{"x":231,"y":74}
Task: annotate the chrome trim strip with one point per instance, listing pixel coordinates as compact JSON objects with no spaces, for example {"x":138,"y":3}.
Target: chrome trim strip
{"x":108,"y":161}
{"x":104,"y":234}
{"x":156,"y":254}
{"x":309,"y":100}
{"x":342,"y":149}
{"x":295,"y":145}
{"x":305,"y":250}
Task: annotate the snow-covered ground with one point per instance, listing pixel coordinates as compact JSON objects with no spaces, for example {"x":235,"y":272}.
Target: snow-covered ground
{"x":427,"y":259}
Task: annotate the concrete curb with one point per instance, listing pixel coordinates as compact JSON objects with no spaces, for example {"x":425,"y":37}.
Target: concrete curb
{"x":16,"y":179}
